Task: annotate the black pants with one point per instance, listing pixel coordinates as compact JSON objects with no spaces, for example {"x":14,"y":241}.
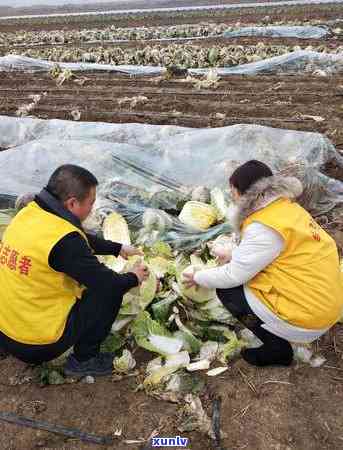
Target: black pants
{"x":88,"y":324}
{"x":234,"y":300}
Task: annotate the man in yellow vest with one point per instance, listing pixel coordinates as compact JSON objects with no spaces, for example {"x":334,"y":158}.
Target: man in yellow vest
{"x":283,"y":280}
{"x":54,"y":293}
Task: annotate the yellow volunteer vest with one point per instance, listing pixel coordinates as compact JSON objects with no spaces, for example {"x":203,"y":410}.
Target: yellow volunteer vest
{"x":303,"y":286}
{"x":34,"y":299}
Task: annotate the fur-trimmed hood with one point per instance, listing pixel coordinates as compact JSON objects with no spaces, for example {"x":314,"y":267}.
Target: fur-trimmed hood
{"x":261,"y":194}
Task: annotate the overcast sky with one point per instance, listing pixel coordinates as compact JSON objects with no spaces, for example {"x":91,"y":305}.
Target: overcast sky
{"x":49,"y":2}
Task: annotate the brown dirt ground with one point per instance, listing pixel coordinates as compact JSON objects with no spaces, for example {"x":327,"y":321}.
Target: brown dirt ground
{"x":245,"y":15}
{"x":279,"y":101}
{"x":117,"y":6}
{"x":298,"y":408}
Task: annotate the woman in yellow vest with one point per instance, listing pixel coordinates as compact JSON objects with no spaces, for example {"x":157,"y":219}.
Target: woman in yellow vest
{"x":283,"y":280}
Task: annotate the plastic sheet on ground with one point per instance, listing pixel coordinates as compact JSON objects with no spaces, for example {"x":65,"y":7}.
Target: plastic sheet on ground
{"x":283,"y":31}
{"x":9,"y":63}
{"x":291,"y":63}
{"x":154,"y":166}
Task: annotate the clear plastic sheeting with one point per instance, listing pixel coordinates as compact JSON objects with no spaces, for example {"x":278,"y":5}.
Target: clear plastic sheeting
{"x":282,"y":31}
{"x":291,"y":63}
{"x":141,"y":167}
{"x":10,"y":63}
{"x":133,"y":204}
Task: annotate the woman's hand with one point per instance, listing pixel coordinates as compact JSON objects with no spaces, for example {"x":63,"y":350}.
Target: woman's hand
{"x":129,"y":250}
{"x":223,"y":255}
{"x":188,"y":281}
{"x":221,"y":251}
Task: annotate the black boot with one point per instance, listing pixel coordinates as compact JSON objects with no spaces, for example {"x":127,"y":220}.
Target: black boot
{"x":267,"y":356}
{"x":100,"y":365}
{"x":3,"y":354}
{"x":275,"y":350}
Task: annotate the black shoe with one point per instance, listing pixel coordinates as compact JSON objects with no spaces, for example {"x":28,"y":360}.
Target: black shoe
{"x":263,"y":356}
{"x":3,"y":354}
{"x":100,"y":365}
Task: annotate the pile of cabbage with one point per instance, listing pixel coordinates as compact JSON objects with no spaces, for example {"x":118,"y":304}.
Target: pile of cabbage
{"x":182,"y":55}
{"x":113,"y":33}
{"x":186,"y":329}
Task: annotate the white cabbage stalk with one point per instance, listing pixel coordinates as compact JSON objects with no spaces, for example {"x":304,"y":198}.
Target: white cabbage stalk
{"x":120,"y":323}
{"x":199,"y":295}
{"x":174,"y":384}
{"x":180,"y":359}
{"x":221,"y":248}
{"x":158,"y":373}
{"x":231,"y":348}
{"x":216,"y":371}
{"x":197,"y":416}
{"x":124,"y":363}
{"x":159,"y":376}
{"x":317,"y":361}
{"x":188,"y":339}
{"x":197,"y":215}
{"x":166,"y":345}
{"x":159,"y":265}
{"x":199,"y":365}
{"x":153,"y":336}
{"x":219,"y":203}
{"x":115,"y":229}
{"x":136,"y":299}
{"x":140,"y":296}
{"x":303,"y":354}
{"x":133,"y":101}
{"x":209,"y":350}
{"x":154,"y":365}
{"x":250,"y":339}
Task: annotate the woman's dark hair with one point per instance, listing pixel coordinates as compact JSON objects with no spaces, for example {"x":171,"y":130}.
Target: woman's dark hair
{"x":249,"y":173}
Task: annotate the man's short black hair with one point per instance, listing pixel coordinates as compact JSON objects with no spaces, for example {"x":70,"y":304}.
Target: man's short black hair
{"x":71,"y":181}
{"x":248,"y":174}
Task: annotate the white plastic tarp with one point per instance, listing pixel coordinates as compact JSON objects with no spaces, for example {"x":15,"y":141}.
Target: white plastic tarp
{"x":282,"y":31}
{"x":290,"y":63}
{"x":16,"y":62}
{"x":160,"y":156}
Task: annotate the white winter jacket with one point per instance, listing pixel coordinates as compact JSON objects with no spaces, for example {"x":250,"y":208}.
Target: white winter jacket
{"x":259,"y":246}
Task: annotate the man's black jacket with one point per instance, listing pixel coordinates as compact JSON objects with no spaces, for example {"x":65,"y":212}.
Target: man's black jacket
{"x":72,"y":256}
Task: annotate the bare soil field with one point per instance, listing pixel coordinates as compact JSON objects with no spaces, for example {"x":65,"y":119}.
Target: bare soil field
{"x":302,"y":13}
{"x":292,"y":102}
{"x":266,"y":409}
{"x":297,"y":408}
{"x":50,"y":8}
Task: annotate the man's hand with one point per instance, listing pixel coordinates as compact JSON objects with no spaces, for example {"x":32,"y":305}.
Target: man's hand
{"x":129,"y":250}
{"x":141,"y":271}
{"x":188,"y":281}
